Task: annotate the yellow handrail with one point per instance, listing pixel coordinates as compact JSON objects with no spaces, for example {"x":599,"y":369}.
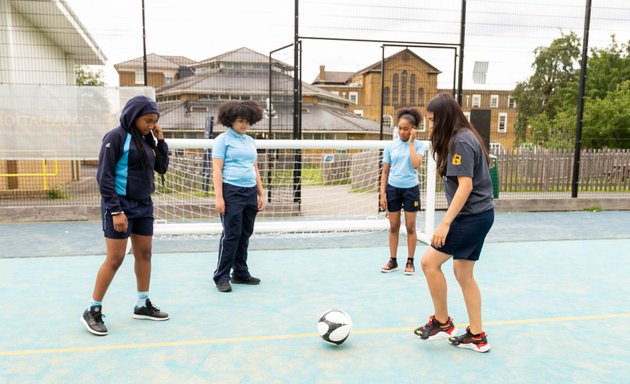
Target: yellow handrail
{"x":44,"y":174}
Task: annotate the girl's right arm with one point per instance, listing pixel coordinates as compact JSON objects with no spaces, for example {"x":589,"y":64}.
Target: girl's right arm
{"x":384,"y":177}
{"x":217,"y":181}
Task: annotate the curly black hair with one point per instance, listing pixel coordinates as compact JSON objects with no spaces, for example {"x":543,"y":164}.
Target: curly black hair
{"x":248,"y":110}
{"x":412,"y":113}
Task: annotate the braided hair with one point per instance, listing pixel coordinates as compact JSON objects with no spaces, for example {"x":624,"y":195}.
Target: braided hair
{"x":137,"y":139}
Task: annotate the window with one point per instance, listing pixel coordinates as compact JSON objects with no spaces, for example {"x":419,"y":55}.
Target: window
{"x":502,"y":127}
{"x":386,"y":96}
{"x":412,"y":89}
{"x":420,"y":96}
{"x":168,"y":79}
{"x":388,"y":121}
{"x":403,"y":88}
{"x":354,"y":97}
{"x":422,"y":127}
{"x":511,"y":102}
{"x":395,"y":90}
{"x":494,"y":101}
{"x":476,"y":101}
{"x":467,"y":101}
{"x":140,"y":77}
{"x":467,"y":114}
{"x":358,"y":112}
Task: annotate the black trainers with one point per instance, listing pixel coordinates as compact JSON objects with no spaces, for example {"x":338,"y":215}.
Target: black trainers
{"x":391,"y":265}
{"x":410,"y":269}
{"x":93,"y":320}
{"x":478,"y":343}
{"x":224,"y":286}
{"x":149,"y":312}
{"x":249,"y":281}
{"x":434,"y":330}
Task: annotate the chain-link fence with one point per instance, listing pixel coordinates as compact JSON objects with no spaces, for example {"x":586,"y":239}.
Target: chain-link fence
{"x":321,"y":70}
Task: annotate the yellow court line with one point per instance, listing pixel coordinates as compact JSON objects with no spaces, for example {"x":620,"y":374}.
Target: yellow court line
{"x":284,"y":337}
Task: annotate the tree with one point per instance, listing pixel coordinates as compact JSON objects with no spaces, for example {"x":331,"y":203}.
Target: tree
{"x":84,"y":76}
{"x":607,"y":120}
{"x":540,"y":97}
{"x":547,"y":101}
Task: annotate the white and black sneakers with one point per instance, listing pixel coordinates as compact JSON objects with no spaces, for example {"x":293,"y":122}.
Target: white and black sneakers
{"x":149,"y":312}
{"x":93,"y":320}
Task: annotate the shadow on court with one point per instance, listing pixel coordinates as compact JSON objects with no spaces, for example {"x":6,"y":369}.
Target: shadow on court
{"x":555,"y":308}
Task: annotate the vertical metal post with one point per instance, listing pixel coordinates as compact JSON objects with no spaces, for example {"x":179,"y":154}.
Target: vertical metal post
{"x":580,"y":106}
{"x":462,"y":36}
{"x":380,"y":137}
{"x":297,"y":110}
{"x":144,"y":48}
{"x":270,"y":94}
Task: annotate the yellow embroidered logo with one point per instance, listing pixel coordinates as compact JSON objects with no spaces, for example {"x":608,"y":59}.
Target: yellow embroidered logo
{"x":415,"y":203}
{"x":457,"y":159}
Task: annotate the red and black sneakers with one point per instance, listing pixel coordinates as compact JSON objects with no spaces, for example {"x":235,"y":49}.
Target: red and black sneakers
{"x":478,"y":343}
{"x":434,"y":330}
{"x":391,"y":265}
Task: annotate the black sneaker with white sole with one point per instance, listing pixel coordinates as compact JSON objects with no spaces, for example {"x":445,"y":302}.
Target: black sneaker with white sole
{"x":434,"y":330}
{"x":93,"y":320}
{"x":149,"y":312}
{"x":478,"y":343}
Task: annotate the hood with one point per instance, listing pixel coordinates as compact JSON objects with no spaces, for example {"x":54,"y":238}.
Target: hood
{"x":136,"y":107}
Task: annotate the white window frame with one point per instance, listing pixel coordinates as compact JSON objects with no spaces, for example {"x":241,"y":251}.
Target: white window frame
{"x":503,"y":116}
{"x":422,"y":127}
{"x":467,"y":114}
{"x":355,"y":96}
{"x":476,"y":101}
{"x":139,"y":77}
{"x":511,"y":102}
{"x":388,"y":120}
{"x":494,"y":101}
{"x":467,"y":101}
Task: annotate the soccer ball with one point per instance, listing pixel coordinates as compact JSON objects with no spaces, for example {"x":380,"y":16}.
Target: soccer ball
{"x":334,"y":326}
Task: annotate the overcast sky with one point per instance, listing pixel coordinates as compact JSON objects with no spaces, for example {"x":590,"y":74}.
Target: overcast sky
{"x":501,"y":32}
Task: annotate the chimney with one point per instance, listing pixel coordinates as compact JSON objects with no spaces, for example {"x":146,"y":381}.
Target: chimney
{"x":322,"y":73}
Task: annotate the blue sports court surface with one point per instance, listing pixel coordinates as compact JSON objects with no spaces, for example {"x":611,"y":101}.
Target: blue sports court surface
{"x":555,"y":289}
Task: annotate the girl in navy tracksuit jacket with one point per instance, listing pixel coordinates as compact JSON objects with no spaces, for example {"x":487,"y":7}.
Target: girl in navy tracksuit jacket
{"x":129,"y":155}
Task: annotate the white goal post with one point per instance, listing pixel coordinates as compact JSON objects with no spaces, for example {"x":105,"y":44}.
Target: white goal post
{"x":311,"y":186}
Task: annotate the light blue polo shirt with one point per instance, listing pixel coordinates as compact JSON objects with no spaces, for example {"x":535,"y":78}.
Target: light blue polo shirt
{"x":401,"y":173}
{"x":239,"y":155}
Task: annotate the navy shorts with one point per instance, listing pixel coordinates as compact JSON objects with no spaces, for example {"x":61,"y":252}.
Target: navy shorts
{"x":139,"y":217}
{"x":402,"y":198}
{"x":467,"y":234}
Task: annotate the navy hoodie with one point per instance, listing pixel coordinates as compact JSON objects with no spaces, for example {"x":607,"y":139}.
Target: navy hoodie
{"x":120,"y":170}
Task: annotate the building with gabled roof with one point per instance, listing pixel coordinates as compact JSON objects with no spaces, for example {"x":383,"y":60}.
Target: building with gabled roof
{"x":161,"y":70}
{"x":188,"y":104}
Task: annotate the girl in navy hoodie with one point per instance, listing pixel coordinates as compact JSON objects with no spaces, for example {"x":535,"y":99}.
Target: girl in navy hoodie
{"x":129,"y":155}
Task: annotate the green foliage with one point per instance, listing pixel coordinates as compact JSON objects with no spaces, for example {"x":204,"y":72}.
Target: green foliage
{"x":547,"y":101}
{"x":84,"y":76}
{"x":57,"y":194}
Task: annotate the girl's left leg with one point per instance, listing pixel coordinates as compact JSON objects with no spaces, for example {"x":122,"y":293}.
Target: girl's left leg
{"x":472,"y":295}
{"x":412,"y":236}
{"x":142,"y":251}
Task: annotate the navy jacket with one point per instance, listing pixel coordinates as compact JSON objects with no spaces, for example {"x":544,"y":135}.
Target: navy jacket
{"x":120,"y":170}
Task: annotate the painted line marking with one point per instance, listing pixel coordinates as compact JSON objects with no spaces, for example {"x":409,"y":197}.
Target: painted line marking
{"x":286,"y":337}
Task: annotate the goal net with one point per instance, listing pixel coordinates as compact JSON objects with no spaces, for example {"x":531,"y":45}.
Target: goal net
{"x":311,"y":186}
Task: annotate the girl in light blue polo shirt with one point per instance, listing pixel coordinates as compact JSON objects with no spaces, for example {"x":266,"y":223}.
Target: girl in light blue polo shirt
{"x":399,"y":185}
{"x":238,"y":189}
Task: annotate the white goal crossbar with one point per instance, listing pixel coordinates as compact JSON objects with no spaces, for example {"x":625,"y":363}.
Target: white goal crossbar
{"x":367,"y":223}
